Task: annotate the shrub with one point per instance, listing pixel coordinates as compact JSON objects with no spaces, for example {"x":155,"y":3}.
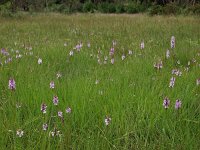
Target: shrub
{"x":76,"y":7}
{"x":5,"y":10}
{"x":89,"y":7}
{"x":111,"y":8}
{"x":132,"y":8}
{"x":155,"y":10}
{"x":106,"y":7}
{"x":171,"y":8}
{"x":120,"y":8}
{"x":194,"y":9}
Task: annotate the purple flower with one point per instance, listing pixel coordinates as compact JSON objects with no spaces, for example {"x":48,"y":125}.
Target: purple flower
{"x":52,"y":85}
{"x":11,"y":84}
{"x":4,"y":52}
{"x":176,"y":72}
{"x":112,"y":50}
{"x":44,"y":108}
{"x":60,"y":114}
{"x":78,"y":47}
{"x":178,"y":104}
{"x":172,"y":82}
{"x":68,"y":110}
{"x":166,"y":103}
{"x":45,"y":126}
{"x":107,"y":120}
{"x":172,"y":42}
{"x":55,"y":100}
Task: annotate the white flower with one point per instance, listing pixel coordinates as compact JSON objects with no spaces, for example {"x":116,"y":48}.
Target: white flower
{"x":130,"y":52}
{"x":114,"y":43}
{"x":88,"y":44}
{"x":19,"y":56}
{"x":58,"y":75}
{"x":123,"y":57}
{"x":71,"y":53}
{"x":97,"y":82}
{"x":20,"y":133}
{"x":39,"y":61}
{"x":105,"y":58}
{"x":142,"y":45}
{"x":158,"y":65}
{"x":107,"y":121}
{"x":198,"y":81}
{"x":178,"y":62}
{"x":112,"y":61}
{"x":167,"y":54}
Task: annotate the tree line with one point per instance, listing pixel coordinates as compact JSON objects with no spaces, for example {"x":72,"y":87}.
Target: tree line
{"x":104,"y":6}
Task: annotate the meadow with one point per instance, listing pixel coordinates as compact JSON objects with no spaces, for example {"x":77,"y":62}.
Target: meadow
{"x":94,"y":81}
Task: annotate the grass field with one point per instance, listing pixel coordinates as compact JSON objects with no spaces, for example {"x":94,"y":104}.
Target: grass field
{"x":129,"y":94}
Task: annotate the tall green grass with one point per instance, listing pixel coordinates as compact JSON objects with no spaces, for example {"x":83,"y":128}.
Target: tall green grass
{"x":131,"y":92}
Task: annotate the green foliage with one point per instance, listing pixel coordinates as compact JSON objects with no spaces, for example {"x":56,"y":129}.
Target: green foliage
{"x":5,"y":10}
{"x":155,"y":10}
{"x":106,"y":7}
{"x":194,"y":9}
{"x":120,"y":8}
{"x":170,"y":9}
{"x":89,"y":7}
{"x":132,"y":8}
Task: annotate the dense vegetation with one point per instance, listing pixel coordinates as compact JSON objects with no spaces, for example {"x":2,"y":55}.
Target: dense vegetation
{"x":104,"y":6}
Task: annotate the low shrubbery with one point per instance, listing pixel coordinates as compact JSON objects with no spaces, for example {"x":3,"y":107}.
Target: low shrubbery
{"x":106,"y":7}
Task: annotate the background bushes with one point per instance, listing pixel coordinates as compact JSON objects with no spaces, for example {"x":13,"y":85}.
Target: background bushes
{"x":152,"y":7}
